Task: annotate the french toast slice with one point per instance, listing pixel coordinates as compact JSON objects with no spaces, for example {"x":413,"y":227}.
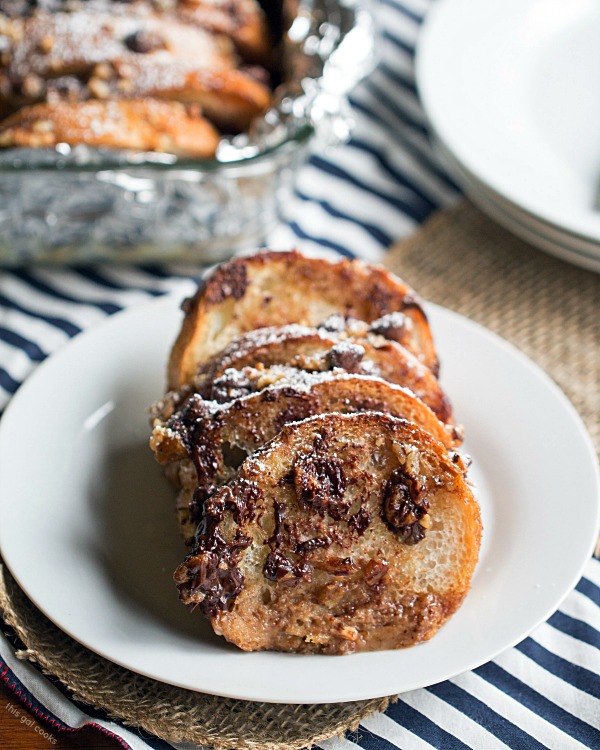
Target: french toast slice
{"x":345,"y":533}
{"x":143,"y":124}
{"x":230,"y":98}
{"x":203,"y":444}
{"x":277,"y":288}
{"x":320,"y":350}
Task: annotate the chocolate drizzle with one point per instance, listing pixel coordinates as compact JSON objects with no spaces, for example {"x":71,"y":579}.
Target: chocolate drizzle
{"x":210,"y":577}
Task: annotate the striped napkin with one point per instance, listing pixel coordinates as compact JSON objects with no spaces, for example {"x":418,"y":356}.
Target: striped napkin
{"x":354,"y":200}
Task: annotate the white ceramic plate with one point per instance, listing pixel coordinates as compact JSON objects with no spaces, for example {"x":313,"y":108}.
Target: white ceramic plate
{"x":509,"y":89}
{"x":568,"y":247}
{"x":87,"y":528}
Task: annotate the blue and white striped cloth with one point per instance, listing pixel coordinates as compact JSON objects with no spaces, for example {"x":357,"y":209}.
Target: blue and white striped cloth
{"x":356,"y":200}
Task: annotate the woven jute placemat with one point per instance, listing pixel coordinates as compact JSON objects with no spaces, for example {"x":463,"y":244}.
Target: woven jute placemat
{"x":549,"y":309}
{"x":171,"y":713}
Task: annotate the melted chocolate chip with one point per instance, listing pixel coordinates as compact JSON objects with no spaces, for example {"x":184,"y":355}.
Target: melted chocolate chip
{"x":403,"y":508}
{"x":186,"y":421}
{"x":232,"y":384}
{"x":320,"y":483}
{"x":394,"y":326}
{"x":278,"y":517}
{"x":144,"y":41}
{"x":206,"y":462}
{"x":210,"y":577}
{"x":196,"y":508}
{"x":243,"y":501}
{"x":361,"y":520}
{"x":347,"y":356}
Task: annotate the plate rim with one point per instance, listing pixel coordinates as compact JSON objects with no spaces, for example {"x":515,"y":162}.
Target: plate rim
{"x":505,"y":214}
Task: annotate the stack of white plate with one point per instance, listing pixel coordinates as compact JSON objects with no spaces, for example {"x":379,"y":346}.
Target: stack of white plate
{"x":511,"y":89}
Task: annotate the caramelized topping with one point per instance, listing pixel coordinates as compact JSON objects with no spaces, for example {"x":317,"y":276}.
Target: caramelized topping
{"x":375,"y":572}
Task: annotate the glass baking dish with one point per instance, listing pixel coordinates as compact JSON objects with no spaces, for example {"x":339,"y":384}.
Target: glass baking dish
{"x":81,"y":205}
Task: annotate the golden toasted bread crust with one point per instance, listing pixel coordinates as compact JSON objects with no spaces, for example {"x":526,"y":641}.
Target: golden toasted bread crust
{"x":274,"y":289}
{"x":344,"y":533}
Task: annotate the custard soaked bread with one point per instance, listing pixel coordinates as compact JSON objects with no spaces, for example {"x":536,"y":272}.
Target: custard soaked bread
{"x":275,"y":289}
{"x":345,"y":533}
{"x":203,"y":443}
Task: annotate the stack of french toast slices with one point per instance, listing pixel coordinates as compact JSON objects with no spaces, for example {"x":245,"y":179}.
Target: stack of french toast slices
{"x":320,"y":487}
{"x":150,"y":75}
